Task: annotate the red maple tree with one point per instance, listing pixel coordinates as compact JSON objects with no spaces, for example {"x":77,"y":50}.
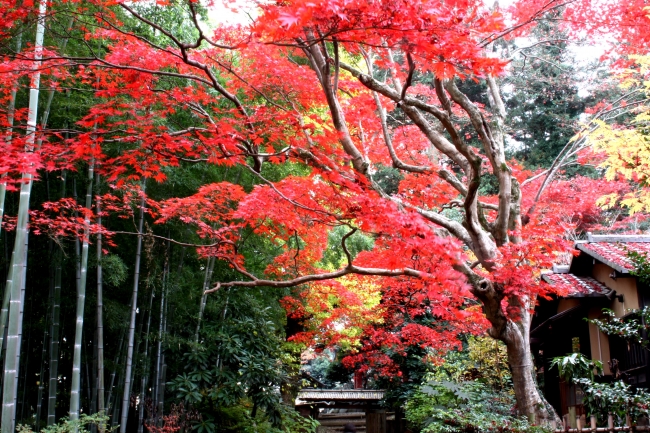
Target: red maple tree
{"x":344,"y":88}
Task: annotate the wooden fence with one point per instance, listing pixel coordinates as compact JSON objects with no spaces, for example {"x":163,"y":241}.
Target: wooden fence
{"x":582,"y":425}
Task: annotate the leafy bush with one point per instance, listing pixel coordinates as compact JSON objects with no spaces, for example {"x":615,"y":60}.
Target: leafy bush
{"x":471,"y":392}
{"x":629,"y":328}
{"x":67,"y":426}
{"x":617,"y":398}
{"x":576,"y":366}
{"x":470,"y":406}
{"x":601,"y":398}
{"x":237,"y":419}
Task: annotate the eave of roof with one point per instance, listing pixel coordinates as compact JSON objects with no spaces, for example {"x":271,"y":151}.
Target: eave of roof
{"x":613,"y":250}
{"x":329,"y":397}
{"x":341,"y":394}
{"x":552,"y":319}
{"x":579,"y":287}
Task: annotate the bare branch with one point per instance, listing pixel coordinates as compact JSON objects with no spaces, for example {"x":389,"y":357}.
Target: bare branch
{"x":335,"y":86}
{"x":173,"y":241}
{"x":409,"y":77}
{"x":350,"y":269}
{"x":345,"y":247}
{"x":284,"y":197}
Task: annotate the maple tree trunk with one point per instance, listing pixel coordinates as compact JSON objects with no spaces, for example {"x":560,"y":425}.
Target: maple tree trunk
{"x":516,"y":337}
{"x":529,"y":400}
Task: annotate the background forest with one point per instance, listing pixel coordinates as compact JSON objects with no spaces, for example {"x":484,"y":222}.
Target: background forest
{"x":152,"y":172}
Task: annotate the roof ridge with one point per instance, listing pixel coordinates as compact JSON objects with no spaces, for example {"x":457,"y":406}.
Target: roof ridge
{"x":617,"y":238}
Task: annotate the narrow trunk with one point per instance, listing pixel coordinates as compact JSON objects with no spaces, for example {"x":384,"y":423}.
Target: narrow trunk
{"x":206,"y":285}
{"x":160,"y":337}
{"x":4,"y":313}
{"x":54,"y":331}
{"x":27,"y":353}
{"x":41,"y":381}
{"x":10,"y":123}
{"x":161,"y":391}
{"x":11,"y":364}
{"x":54,"y":342}
{"x":81,"y":301}
{"x":145,"y":371}
{"x":134,"y":306}
{"x":14,"y":326}
{"x":163,"y":374}
{"x":100,"y":315}
{"x":93,"y":380}
{"x":111,"y":408}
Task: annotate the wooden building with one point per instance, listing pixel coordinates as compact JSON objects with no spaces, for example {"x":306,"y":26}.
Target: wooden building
{"x":361,"y":407}
{"x":598,"y":277}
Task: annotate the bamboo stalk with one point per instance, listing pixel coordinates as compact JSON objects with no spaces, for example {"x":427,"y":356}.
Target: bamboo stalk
{"x":11,"y":110}
{"x":27,"y":353}
{"x":134,"y":307}
{"x":41,"y":384}
{"x":11,"y":364}
{"x":4,"y":313}
{"x":100,"y":314}
{"x":81,"y":301}
{"x":160,"y":337}
{"x":54,"y":330}
{"x":145,"y":374}
{"x":93,"y":379}
{"x":163,"y":375}
{"x":111,"y":408}
{"x":54,"y":342}
{"x":206,"y":285}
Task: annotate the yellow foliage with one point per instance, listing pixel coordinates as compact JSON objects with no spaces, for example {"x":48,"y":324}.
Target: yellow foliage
{"x":627,"y":149}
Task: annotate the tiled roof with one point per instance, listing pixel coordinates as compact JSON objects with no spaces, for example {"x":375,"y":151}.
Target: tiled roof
{"x":615,"y":254}
{"x":578,"y":287}
{"x":340,"y":394}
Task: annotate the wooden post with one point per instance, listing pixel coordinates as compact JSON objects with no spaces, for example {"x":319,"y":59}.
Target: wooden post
{"x":375,"y":421}
{"x":579,"y":423}
{"x":565,"y":422}
{"x":593,"y":423}
{"x":628,"y":421}
{"x":610,"y":423}
{"x":399,"y":420}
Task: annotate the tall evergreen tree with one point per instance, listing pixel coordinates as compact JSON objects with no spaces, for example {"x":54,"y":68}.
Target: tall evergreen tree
{"x":542,"y":95}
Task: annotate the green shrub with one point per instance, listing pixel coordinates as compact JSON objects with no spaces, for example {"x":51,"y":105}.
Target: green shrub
{"x":67,"y":426}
